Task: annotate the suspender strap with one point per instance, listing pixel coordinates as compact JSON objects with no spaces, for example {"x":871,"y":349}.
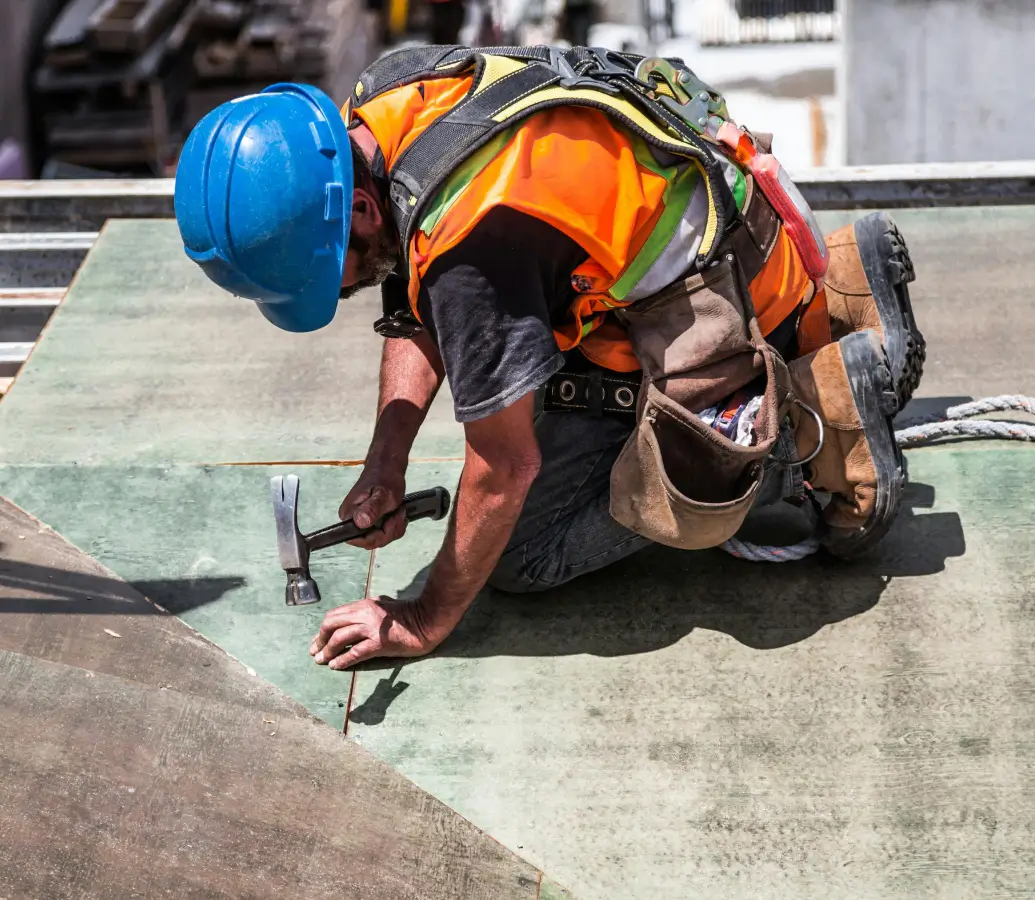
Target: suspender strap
{"x":410,"y":64}
{"x":423,"y":167}
{"x":752,"y":242}
{"x":564,"y":77}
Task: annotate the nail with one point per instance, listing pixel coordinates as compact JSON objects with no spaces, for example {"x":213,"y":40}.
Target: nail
{"x":362,"y":520}
{"x":319,"y":657}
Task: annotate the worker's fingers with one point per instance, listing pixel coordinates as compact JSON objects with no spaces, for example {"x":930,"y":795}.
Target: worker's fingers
{"x":395,"y":527}
{"x":376,"y":506}
{"x":358,"y":653}
{"x":340,"y":639}
{"x":373,"y":540}
{"x":331,"y":623}
{"x":351,"y":501}
{"x":362,"y":612}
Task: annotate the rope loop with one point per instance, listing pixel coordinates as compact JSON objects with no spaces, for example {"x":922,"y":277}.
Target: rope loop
{"x":957,"y":422}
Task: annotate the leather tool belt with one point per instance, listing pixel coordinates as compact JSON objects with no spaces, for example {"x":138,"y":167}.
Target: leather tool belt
{"x":677,"y":481}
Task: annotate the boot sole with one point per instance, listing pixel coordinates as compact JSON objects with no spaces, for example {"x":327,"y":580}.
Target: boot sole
{"x":889,"y":270}
{"x":870,"y":377}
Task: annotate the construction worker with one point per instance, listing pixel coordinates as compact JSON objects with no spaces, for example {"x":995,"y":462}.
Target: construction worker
{"x":644,"y":333}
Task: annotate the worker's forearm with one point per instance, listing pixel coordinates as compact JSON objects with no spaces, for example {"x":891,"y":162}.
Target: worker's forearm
{"x":487,"y":507}
{"x":411,"y":373}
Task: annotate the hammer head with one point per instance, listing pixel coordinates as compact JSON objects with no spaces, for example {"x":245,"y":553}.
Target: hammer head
{"x":291,"y":543}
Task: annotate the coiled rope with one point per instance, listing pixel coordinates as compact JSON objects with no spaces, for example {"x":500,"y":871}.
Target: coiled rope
{"x":956,"y":423}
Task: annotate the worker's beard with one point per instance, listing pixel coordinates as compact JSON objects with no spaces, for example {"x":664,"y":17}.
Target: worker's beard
{"x":377,"y":257}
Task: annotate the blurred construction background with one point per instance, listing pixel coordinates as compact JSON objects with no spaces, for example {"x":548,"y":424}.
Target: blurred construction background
{"x":110,"y":87}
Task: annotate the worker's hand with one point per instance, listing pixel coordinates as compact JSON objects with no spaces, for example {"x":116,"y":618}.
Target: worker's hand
{"x":377,"y":493}
{"x":370,"y":628}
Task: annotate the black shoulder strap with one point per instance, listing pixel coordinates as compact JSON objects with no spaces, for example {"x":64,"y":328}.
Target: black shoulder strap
{"x":408,"y":65}
{"x":428,"y":162}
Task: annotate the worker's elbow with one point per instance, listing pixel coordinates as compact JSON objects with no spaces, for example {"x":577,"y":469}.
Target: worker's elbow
{"x":512,"y":473}
{"x":520,"y":470}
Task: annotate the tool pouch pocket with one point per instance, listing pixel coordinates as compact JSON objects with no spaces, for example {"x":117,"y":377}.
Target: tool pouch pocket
{"x":677,"y":481}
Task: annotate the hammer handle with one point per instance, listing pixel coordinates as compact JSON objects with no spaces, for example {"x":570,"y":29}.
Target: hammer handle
{"x":432,"y":504}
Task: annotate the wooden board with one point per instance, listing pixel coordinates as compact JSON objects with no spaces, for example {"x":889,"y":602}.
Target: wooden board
{"x":152,"y":764}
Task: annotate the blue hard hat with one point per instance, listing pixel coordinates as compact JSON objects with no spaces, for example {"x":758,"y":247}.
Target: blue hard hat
{"x":264,"y":202}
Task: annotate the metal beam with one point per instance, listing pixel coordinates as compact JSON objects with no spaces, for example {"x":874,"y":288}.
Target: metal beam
{"x":42,"y":259}
{"x":85,"y":205}
{"x":920,"y":186}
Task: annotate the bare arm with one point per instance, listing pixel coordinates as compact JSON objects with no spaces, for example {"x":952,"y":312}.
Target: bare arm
{"x":501,"y":462}
{"x":411,"y":374}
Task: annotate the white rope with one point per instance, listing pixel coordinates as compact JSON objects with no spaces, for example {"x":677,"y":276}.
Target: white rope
{"x":1002,"y":403}
{"x":955,"y":423}
{"x":919,"y":435}
{"x":757,"y":553}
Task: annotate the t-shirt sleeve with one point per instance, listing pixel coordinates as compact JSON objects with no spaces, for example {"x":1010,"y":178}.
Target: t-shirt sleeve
{"x":489,"y":303}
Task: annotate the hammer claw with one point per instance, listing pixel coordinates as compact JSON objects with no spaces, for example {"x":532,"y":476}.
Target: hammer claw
{"x":294,"y":555}
{"x":294,"y":547}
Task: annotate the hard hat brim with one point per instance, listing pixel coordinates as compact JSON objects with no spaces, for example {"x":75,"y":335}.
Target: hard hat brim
{"x":299,"y":316}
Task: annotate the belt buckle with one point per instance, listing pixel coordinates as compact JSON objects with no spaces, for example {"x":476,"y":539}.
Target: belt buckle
{"x":400,"y":324}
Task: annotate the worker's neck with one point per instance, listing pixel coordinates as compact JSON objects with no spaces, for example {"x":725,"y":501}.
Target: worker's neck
{"x":363,"y":138}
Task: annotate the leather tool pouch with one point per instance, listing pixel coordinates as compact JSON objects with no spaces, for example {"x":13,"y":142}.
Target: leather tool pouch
{"x":677,"y":481}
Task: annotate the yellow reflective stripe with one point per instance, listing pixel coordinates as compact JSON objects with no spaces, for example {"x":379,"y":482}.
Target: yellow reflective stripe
{"x":497,"y":67}
{"x":618,"y":105}
{"x":711,"y":231}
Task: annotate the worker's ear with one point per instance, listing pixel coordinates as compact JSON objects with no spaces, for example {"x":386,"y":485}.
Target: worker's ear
{"x":366,"y":213}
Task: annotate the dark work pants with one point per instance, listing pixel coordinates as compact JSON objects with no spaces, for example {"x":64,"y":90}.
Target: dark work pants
{"x":565,"y":528}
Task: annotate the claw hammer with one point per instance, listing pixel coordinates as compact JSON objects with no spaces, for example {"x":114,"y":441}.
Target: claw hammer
{"x":295,"y":547}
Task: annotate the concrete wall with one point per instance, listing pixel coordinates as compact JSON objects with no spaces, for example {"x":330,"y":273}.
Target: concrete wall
{"x":939,"y":80}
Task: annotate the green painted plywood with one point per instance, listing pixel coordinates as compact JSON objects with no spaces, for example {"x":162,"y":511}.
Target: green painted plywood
{"x":548,"y":890}
{"x":202,"y":541}
{"x":121,"y":728}
{"x":687,"y":725}
{"x":147,"y":362}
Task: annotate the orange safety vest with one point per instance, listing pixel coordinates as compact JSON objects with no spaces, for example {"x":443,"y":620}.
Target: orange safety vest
{"x":575,"y":169}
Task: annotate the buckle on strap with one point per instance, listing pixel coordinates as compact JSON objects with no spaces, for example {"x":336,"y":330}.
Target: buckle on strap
{"x":560,"y":64}
{"x":400,"y":323}
{"x":692,"y":102}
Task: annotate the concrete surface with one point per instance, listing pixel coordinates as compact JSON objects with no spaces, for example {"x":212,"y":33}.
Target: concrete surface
{"x":938,"y":80}
{"x":681,"y":725}
{"x":147,"y":363}
{"x":139,"y":760}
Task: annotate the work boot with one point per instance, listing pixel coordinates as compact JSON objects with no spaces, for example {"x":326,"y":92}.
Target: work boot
{"x":867,"y":287}
{"x":854,"y":456}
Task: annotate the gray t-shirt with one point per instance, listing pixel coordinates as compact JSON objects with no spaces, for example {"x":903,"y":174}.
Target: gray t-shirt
{"x":490,"y":305}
